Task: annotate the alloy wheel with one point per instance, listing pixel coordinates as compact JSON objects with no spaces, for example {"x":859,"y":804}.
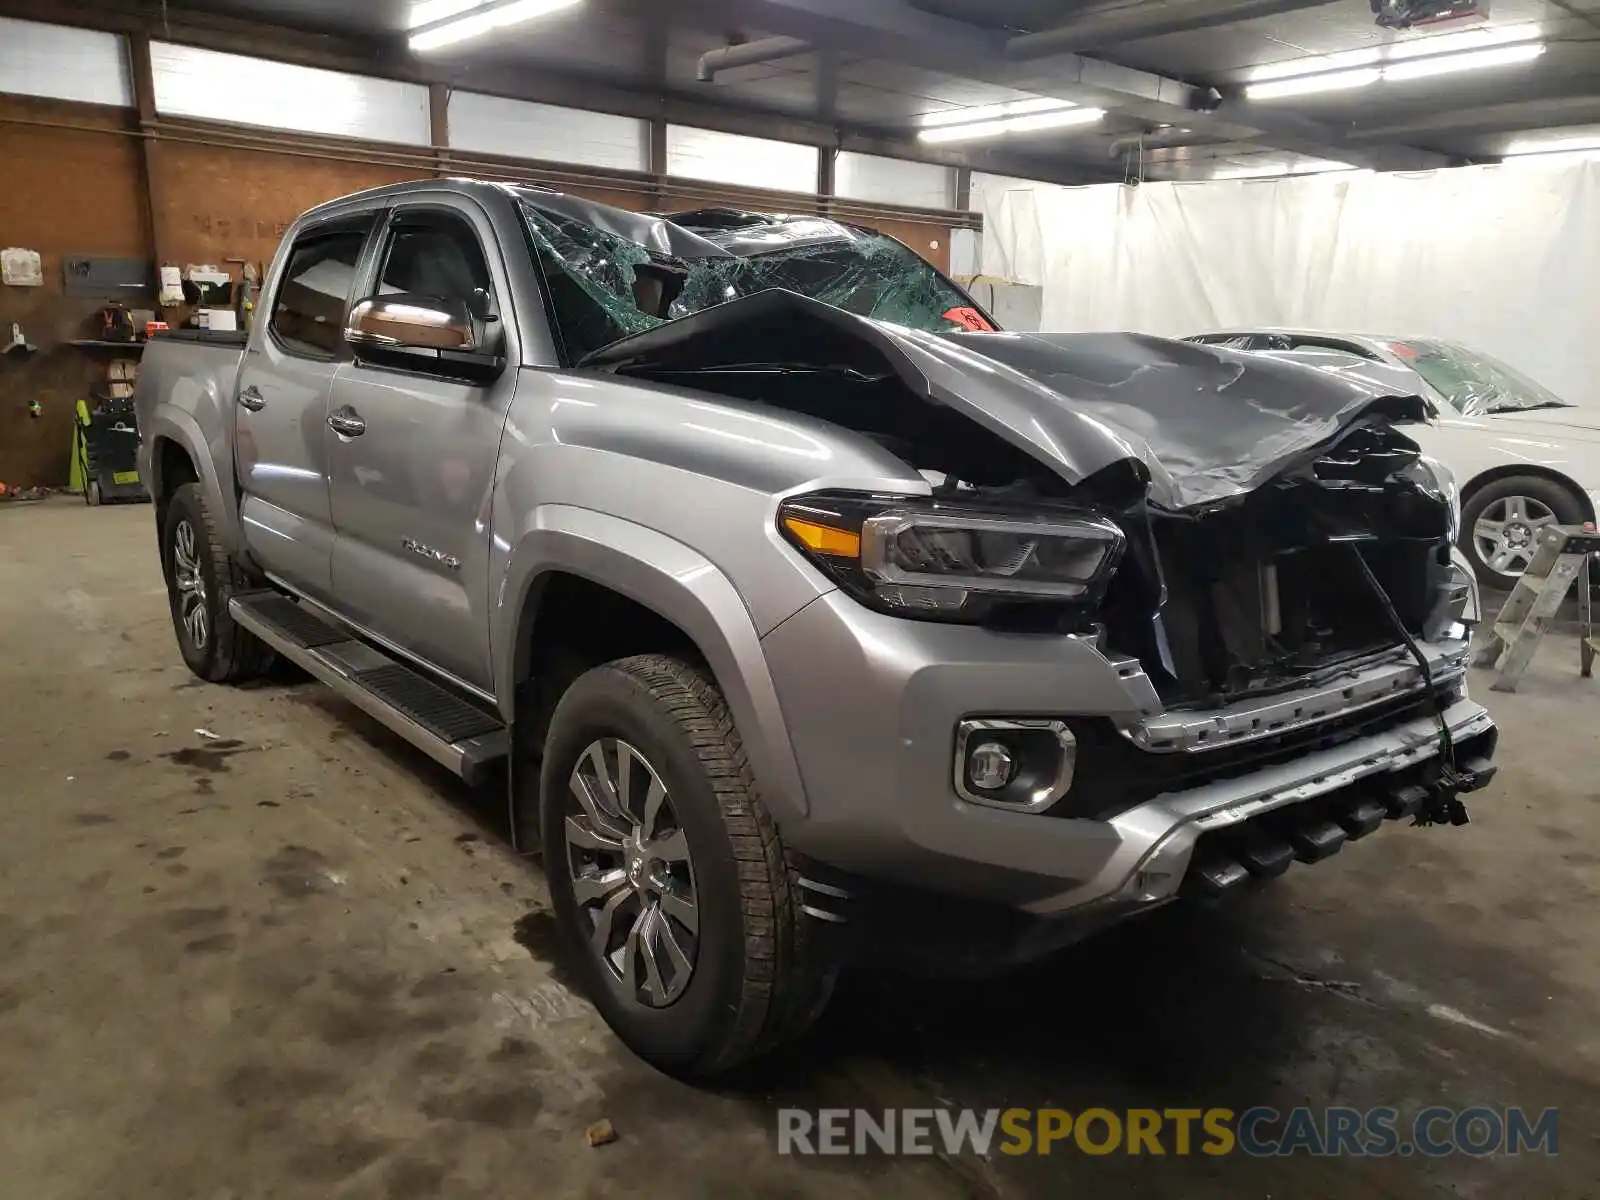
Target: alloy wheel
{"x":632,"y":874}
{"x":190,"y":582}
{"x":1506,"y":533}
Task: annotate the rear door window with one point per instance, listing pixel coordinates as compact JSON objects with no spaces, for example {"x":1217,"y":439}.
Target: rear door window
{"x":309,"y":310}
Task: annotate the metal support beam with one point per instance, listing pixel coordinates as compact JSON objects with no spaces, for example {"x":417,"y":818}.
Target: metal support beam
{"x":827,"y":164}
{"x":657,"y":155}
{"x":746,"y":54}
{"x":439,"y":127}
{"x":963,"y":189}
{"x":144,"y":99}
{"x":1111,"y":25}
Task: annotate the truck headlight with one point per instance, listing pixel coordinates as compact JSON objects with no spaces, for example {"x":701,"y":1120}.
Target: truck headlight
{"x":953,"y":561}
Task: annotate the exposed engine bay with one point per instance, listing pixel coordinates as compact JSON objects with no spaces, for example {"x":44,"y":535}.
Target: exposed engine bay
{"x":1257,"y":510}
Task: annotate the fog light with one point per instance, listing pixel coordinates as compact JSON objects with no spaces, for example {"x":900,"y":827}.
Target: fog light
{"x":1024,"y":764}
{"x":990,"y":765}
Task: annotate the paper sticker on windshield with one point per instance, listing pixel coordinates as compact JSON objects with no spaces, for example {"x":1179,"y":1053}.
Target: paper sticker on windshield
{"x":1403,"y":350}
{"x":970,"y":318}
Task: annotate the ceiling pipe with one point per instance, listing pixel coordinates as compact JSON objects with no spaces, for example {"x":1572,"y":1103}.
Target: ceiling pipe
{"x":746,"y":54}
{"x":1159,"y":139}
{"x":1105,"y":27}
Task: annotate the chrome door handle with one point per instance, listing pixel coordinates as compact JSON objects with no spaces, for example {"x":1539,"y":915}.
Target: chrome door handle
{"x":252,"y":398}
{"x":346,"y":422}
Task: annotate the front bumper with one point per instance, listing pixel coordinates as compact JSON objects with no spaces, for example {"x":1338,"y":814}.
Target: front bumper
{"x":872,"y":701}
{"x":1158,"y":839}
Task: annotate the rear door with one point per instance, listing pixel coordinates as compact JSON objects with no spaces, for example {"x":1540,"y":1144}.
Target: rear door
{"x":412,"y":470}
{"x":280,"y":438}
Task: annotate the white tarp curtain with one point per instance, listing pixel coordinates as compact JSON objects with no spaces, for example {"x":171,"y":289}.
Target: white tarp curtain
{"x":1503,"y":258}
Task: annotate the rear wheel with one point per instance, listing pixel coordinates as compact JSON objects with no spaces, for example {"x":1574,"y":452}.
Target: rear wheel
{"x":667,"y":873}
{"x":1501,"y":522}
{"x":201,"y":579}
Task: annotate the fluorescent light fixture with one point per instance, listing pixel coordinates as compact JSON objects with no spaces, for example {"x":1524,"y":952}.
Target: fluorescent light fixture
{"x":486,"y":18}
{"x":1316,"y":65}
{"x":1471,"y":60}
{"x":1472,"y":39}
{"x":993,"y":112}
{"x":1304,"y":85}
{"x":1420,"y":46}
{"x":1028,"y":124}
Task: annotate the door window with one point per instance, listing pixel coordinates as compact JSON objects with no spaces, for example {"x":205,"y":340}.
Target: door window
{"x":435,"y":255}
{"x":308,"y":313}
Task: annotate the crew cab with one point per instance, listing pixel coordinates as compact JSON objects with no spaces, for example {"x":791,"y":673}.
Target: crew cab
{"x":806,"y":614}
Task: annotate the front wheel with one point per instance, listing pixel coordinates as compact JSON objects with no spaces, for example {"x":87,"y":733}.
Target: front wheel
{"x":1501,"y":521}
{"x":667,"y":873}
{"x":200,"y":580}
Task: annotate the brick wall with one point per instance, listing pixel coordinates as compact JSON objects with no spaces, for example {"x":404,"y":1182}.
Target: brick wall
{"x":219,"y":203}
{"x":81,"y":190}
{"x":65,"y":191}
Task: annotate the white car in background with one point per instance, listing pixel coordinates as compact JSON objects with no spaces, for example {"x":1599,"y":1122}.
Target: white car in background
{"x":1523,"y":456}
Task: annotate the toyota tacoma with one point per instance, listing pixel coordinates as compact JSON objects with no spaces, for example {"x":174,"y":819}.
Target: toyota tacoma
{"x":807,"y":614}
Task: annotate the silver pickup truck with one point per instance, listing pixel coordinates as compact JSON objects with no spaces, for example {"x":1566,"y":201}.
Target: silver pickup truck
{"x":808,"y":615}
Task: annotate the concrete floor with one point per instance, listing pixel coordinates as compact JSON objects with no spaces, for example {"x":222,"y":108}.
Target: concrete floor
{"x":301,"y":961}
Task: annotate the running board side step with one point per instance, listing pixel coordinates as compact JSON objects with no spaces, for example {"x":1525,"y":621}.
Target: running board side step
{"x":459,"y":735}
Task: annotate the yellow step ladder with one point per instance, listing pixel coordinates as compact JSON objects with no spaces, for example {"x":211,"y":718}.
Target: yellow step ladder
{"x":1562,"y":557}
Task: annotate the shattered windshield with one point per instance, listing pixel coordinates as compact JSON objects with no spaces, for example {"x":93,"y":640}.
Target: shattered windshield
{"x":605,"y":286}
{"x":1473,"y":382}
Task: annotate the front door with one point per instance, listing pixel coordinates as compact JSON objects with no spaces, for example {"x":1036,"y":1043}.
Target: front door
{"x":280,"y":447}
{"x":412,"y":456}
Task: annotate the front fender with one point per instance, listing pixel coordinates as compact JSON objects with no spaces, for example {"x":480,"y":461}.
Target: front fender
{"x":681,"y":585}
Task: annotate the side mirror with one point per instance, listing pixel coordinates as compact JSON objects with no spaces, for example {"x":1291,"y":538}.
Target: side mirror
{"x":411,"y":322}
{"x":423,"y":333}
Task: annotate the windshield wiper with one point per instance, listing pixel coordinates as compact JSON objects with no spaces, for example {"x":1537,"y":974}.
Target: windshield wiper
{"x":1511,"y":408}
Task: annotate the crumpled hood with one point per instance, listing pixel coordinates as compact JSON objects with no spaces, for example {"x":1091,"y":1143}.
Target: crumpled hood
{"x":1208,"y":424}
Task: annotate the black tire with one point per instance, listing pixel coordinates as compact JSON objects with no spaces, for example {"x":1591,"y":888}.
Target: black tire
{"x":758,"y":978}
{"x":227,"y":654}
{"x":1568,"y":507}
